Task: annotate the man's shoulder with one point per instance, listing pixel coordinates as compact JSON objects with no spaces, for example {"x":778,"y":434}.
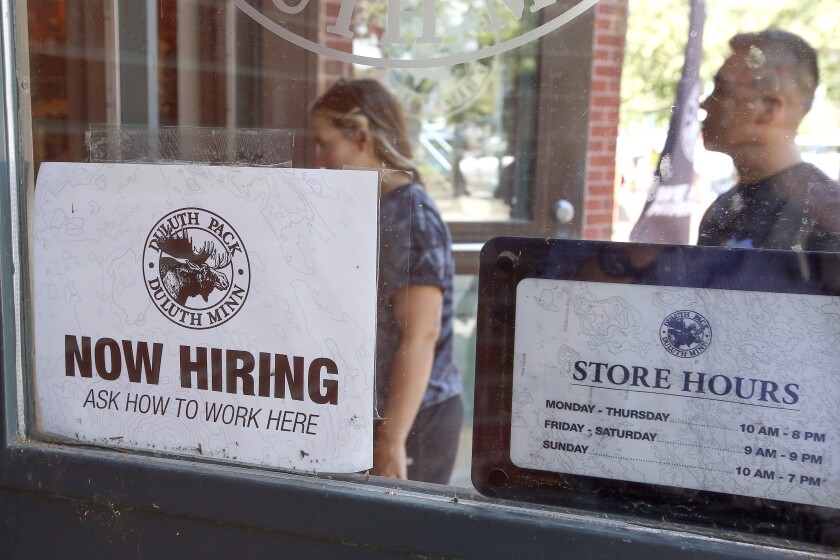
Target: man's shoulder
{"x":812,"y":200}
{"x":805,"y":181}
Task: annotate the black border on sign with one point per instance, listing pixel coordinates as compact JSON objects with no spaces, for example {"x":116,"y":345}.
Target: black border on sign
{"x":505,"y":261}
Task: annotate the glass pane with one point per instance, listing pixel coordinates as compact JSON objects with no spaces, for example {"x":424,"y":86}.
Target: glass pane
{"x":572,"y":119}
{"x":465,"y":119}
{"x":649,"y":94}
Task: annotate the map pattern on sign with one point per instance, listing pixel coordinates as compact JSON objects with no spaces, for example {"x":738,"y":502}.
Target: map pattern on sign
{"x":289,"y":372}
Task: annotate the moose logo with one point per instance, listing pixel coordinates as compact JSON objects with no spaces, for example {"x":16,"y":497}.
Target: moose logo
{"x":685,"y":334}
{"x":196,"y":268}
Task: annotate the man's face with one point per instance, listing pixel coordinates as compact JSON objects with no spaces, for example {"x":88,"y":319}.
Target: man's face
{"x":730,"y":108}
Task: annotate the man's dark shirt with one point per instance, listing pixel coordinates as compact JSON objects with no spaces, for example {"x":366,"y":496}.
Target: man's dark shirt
{"x":797,"y":208}
{"x":415,"y":249}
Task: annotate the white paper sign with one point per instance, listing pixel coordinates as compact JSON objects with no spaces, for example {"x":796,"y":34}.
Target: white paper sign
{"x":226,"y":312}
{"x":726,"y":391}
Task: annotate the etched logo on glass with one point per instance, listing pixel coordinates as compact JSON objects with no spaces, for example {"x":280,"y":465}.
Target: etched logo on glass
{"x":427,"y":33}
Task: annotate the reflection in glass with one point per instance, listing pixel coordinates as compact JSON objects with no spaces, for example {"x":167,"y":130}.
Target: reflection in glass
{"x":465,"y":120}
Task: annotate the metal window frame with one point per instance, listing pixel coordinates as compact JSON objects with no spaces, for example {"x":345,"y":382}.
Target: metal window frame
{"x":351,"y":516}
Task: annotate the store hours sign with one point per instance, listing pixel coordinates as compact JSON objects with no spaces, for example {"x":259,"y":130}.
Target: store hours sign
{"x":226,"y":312}
{"x":708,"y":389}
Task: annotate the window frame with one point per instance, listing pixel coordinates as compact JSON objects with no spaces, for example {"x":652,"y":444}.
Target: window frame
{"x":564,"y":65}
{"x":379,"y":517}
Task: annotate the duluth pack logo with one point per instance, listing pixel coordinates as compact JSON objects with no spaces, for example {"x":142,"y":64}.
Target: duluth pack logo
{"x":685,"y":334}
{"x":196,"y":269}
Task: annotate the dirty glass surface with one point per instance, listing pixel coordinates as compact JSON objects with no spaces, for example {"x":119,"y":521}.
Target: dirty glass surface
{"x":562,"y":119}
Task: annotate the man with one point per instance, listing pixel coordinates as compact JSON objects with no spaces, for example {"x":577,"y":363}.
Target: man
{"x":762,"y":92}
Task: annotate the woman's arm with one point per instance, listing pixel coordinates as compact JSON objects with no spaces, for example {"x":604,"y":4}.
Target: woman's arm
{"x":418,"y":312}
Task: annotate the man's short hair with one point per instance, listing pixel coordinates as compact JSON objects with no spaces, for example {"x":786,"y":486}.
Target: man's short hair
{"x":779,"y":49}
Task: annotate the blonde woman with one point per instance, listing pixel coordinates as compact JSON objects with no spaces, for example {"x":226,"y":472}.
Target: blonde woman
{"x":359,"y":124}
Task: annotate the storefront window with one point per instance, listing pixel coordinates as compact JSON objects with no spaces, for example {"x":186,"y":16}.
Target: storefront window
{"x":548,"y":119}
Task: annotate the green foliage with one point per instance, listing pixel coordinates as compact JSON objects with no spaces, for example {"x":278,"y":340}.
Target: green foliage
{"x":657,"y":31}
{"x":656,"y":35}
